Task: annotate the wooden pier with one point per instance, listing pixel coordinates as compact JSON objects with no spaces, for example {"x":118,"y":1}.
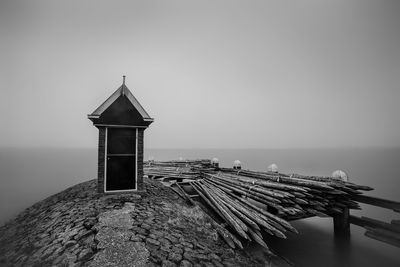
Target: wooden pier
{"x":248,"y":204}
{"x":382,"y":231}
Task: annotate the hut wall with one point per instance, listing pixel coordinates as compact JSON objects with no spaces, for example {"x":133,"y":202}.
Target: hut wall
{"x":140,"y":151}
{"x":101,"y":158}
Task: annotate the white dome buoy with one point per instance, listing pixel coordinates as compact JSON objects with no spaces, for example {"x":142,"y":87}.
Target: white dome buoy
{"x":341,"y":175}
{"x":180,"y":158}
{"x":150,"y":161}
{"x":215,"y":162}
{"x":237,"y":164}
{"x":273,"y":168}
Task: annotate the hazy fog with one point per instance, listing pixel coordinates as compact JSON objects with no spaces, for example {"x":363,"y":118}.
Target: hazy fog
{"x":243,"y":74}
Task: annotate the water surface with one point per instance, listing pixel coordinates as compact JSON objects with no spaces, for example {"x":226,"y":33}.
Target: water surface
{"x":29,"y":175}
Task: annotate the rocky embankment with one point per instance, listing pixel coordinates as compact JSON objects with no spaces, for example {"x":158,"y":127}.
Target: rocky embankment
{"x":79,"y":227}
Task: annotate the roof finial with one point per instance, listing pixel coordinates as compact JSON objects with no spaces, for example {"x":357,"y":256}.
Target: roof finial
{"x":123,"y":79}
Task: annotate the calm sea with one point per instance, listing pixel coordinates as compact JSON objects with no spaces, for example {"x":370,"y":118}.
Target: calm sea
{"x":29,"y":175}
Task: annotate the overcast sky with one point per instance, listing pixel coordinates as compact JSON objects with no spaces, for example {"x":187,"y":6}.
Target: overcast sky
{"x":213,"y":74}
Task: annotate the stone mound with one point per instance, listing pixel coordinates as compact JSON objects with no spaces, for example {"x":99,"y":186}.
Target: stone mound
{"x":78,"y":227}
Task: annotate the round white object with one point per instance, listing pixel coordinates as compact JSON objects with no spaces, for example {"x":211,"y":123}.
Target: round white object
{"x":339,"y":174}
{"x":180,"y":159}
{"x":214,"y":160}
{"x":273,"y":168}
{"x":237,"y":163}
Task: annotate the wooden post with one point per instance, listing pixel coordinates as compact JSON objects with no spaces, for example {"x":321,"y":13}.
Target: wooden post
{"x":341,"y":221}
{"x":341,"y":224}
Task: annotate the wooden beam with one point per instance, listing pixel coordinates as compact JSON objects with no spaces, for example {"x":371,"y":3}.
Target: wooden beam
{"x":183,"y":183}
{"x":188,"y":199}
{"x":369,"y":222}
{"x":380,"y":202}
{"x":178,"y":192}
{"x":384,"y":236}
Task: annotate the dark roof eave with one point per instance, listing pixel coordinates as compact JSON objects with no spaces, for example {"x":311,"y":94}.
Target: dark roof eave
{"x":93,"y":116}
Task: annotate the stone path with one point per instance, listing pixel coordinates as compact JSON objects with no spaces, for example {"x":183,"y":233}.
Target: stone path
{"x":113,"y":237}
{"x":78,"y":227}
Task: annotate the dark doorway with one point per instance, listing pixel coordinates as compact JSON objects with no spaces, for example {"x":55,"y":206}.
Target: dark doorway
{"x":121,"y":159}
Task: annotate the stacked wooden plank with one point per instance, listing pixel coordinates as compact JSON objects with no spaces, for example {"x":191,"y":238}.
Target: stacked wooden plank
{"x":243,"y":217}
{"x":250,"y":203}
{"x":179,"y":163}
{"x":176,"y":169}
{"x":293,"y":196}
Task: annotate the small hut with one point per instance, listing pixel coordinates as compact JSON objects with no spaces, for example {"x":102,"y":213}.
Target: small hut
{"x":121,"y":121}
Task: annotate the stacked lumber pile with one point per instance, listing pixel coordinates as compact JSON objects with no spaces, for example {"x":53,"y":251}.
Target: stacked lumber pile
{"x":251,"y":203}
{"x":179,"y":163}
{"x":176,"y":169}
{"x":243,"y":217}
{"x":293,"y":195}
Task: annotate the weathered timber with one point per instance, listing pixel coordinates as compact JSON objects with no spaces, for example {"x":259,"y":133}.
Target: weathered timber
{"x":272,"y":230}
{"x":254,"y":196}
{"x":226,"y":214}
{"x":271,"y":227}
{"x":226,"y":207}
{"x":258,"y":238}
{"x":384,"y":236}
{"x":270,"y":218}
{"x":178,"y":191}
{"x":247,"y":216}
{"x":243,"y":192}
{"x":242,"y":216}
{"x":334,"y":181}
{"x":250,"y":189}
{"x":369,"y":222}
{"x":268,"y":184}
{"x":284,"y":179}
{"x":254,"y":187}
{"x":226,"y":235}
{"x":249,"y":202}
{"x":186,"y":196}
{"x":380,"y":202}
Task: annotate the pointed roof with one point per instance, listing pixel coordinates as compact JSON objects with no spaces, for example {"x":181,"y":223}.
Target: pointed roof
{"x":124,"y":91}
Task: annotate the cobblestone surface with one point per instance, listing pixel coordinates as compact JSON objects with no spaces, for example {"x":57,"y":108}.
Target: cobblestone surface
{"x":79,"y":227}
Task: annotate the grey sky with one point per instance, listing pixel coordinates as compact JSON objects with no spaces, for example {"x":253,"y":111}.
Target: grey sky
{"x":240,"y":74}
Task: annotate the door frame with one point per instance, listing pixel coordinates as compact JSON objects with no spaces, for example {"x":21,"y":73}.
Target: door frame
{"x":105,"y":162}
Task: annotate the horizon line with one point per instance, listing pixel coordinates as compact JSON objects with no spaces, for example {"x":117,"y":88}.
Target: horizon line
{"x":207,"y":148}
